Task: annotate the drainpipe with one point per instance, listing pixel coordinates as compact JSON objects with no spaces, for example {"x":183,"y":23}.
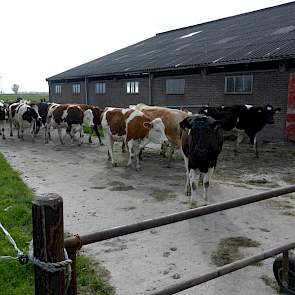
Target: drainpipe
{"x":150,"y":89}
{"x":86,"y":90}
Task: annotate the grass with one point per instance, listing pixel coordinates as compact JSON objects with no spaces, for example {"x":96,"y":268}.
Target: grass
{"x":15,"y":216}
{"x":28,"y":96}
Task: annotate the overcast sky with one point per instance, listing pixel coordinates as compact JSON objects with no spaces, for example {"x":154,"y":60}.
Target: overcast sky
{"x":41,"y":38}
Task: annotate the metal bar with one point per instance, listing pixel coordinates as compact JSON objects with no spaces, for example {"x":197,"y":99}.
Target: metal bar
{"x":175,"y":217}
{"x":221,"y":271}
{"x":285,"y":275}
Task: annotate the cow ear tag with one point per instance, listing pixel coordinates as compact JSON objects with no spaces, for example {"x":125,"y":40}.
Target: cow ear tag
{"x":188,"y":131}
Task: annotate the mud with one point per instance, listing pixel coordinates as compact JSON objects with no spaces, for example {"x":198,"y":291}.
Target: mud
{"x":98,"y":196}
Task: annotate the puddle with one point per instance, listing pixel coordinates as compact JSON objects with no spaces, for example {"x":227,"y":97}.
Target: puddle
{"x":162,"y":194}
{"x":119,"y":186}
{"x":228,"y":250}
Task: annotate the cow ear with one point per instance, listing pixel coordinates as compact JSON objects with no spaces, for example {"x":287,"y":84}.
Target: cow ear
{"x":147,"y":125}
{"x":185,"y":124}
{"x":277,"y":110}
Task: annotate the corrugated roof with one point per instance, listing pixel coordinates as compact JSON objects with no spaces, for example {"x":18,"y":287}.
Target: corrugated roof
{"x":261,"y":35}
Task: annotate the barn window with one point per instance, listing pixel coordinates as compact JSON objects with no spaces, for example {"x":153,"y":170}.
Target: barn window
{"x":57,"y":88}
{"x":132,"y":87}
{"x":238,"y":84}
{"x":175,"y":86}
{"x":100,"y":88}
{"x":76,"y":88}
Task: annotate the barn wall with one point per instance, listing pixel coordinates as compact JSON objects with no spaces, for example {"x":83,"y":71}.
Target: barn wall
{"x":268,"y":87}
{"x":66,"y":95}
{"x":116,"y":93}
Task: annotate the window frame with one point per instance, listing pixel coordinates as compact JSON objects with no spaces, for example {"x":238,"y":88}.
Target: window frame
{"x":57,"y":89}
{"x":132,"y":87}
{"x":176,"y":89}
{"x":235,"y":78}
{"x":76,"y":88}
{"x":102,"y":88}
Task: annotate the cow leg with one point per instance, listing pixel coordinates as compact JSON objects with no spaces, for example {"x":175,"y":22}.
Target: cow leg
{"x":2,"y":129}
{"x":187,"y":185}
{"x":131,"y":152}
{"x":255,"y":147}
{"x":206,"y":182}
{"x":60,"y":135}
{"x":98,"y":135}
{"x":240,"y":138}
{"x":171,"y":152}
{"x":110,"y":143}
{"x":164,"y":149}
{"x":201,"y":179}
{"x":10,"y":125}
{"x":81,"y":139}
{"x":193,"y":185}
{"x":123,"y":147}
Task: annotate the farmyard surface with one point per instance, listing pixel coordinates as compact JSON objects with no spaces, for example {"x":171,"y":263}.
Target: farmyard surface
{"x":98,"y":196}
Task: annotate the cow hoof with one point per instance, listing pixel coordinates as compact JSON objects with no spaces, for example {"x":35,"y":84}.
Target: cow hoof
{"x":188,"y":193}
{"x":193,"y":205}
{"x":138,"y":168}
{"x":101,"y":144}
{"x":115,"y":164}
{"x":11,"y":134}
{"x":3,"y":137}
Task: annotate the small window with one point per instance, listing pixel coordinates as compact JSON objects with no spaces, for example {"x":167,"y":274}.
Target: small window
{"x":175,"y":86}
{"x":100,"y":88}
{"x":238,"y":84}
{"x":76,"y":88}
{"x":132,"y":87}
{"x":57,"y":89}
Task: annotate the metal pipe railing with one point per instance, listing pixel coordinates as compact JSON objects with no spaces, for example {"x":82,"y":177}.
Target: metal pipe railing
{"x":221,"y":271}
{"x":79,"y":241}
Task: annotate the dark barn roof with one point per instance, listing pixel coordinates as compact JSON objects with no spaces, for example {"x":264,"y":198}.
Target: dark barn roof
{"x":262,"y":35}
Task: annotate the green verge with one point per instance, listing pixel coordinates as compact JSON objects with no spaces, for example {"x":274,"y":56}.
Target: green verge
{"x":15,"y":216}
{"x":28,"y":96}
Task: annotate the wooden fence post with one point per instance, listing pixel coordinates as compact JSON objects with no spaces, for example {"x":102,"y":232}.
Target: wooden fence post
{"x":48,"y":241}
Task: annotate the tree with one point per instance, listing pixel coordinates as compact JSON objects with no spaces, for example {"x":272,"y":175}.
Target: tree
{"x":15,"y":88}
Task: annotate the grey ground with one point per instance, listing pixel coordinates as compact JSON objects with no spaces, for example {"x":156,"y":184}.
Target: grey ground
{"x":98,"y":196}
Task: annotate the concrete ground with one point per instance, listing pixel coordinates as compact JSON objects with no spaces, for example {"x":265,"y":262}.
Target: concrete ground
{"x":98,"y":196}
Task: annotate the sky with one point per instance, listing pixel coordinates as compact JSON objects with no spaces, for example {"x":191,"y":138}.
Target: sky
{"x":42,"y":38}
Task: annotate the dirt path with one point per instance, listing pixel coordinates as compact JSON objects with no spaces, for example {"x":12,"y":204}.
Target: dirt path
{"x":97,"y":196}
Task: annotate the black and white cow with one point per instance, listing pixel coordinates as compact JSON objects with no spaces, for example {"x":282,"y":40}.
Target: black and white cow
{"x":3,"y":117}
{"x":243,"y":119}
{"x":22,"y":115}
{"x":202,"y":140}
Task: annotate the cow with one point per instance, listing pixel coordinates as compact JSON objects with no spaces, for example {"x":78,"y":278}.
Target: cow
{"x":3,"y":117}
{"x":97,"y":112}
{"x":22,"y":115}
{"x":171,"y":119}
{"x":201,"y":141}
{"x":134,"y":127}
{"x":71,"y":117}
{"x":242,"y":119}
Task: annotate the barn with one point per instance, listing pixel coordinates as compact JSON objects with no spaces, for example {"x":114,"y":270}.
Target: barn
{"x":243,"y":59}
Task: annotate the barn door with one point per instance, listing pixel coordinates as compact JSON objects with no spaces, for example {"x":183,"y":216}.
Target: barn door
{"x":290,"y":125}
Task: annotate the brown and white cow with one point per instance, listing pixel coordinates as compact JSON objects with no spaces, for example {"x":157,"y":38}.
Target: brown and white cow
{"x":71,"y":117}
{"x":134,"y":127}
{"x":171,"y":119}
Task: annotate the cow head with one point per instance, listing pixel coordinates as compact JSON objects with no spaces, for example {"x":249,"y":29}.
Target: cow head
{"x":156,"y":131}
{"x":3,"y":111}
{"x":269,"y":111}
{"x":88,"y":118}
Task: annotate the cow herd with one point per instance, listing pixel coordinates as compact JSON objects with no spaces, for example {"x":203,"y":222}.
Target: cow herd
{"x":198,"y":137}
